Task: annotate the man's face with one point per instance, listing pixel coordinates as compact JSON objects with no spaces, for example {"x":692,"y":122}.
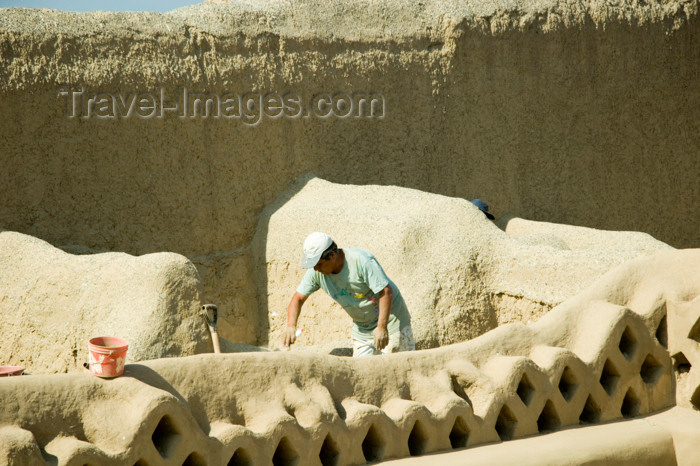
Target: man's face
{"x":326,"y":266}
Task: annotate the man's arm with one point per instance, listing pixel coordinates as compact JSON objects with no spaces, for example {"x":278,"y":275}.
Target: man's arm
{"x":381,"y":334}
{"x":289,"y":336}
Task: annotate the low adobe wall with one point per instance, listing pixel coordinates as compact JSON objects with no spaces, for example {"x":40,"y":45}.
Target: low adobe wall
{"x":52,"y":303}
{"x":567,"y":112}
{"x":620,"y":349}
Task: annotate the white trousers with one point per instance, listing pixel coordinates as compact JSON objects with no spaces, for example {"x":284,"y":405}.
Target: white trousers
{"x":400,"y":340}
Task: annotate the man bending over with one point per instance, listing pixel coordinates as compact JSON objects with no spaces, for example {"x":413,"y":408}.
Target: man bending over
{"x":356,"y":281}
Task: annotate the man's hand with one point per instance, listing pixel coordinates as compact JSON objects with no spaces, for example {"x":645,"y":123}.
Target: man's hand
{"x":381,"y":338}
{"x":289,"y":336}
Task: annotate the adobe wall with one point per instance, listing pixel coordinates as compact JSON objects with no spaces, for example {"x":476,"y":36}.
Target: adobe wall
{"x":584,"y":114}
{"x":620,"y":349}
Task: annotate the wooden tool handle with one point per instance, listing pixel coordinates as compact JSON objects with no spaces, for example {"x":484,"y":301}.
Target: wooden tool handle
{"x":215,"y":340}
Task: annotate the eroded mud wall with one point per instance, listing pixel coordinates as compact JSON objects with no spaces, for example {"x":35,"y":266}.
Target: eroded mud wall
{"x":564,"y":112}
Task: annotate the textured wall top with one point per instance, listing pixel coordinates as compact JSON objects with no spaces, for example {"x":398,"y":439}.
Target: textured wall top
{"x":392,"y":21}
{"x":356,"y":20}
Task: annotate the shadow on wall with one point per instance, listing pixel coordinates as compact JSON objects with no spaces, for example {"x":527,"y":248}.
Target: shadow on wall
{"x":261,"y":260}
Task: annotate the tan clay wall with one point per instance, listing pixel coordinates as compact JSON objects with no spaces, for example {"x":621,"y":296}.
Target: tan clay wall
{"x":563,"y":112}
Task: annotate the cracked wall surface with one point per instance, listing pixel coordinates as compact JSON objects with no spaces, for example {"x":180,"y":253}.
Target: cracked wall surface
{"x":600,"y":356}
{"x":568,"y":112}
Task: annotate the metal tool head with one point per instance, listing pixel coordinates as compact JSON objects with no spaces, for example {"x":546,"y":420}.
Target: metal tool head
{"x":211,"y":314}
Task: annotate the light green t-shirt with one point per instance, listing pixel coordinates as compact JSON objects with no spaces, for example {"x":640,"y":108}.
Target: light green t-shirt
{"x":360,"y":280}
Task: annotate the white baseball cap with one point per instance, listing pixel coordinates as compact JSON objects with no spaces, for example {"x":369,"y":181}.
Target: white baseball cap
{"x":314,"y":245}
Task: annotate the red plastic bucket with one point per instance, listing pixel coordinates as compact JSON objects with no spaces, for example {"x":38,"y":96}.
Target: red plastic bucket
{"x":9,"y":371}
{"x":107,"y":356}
